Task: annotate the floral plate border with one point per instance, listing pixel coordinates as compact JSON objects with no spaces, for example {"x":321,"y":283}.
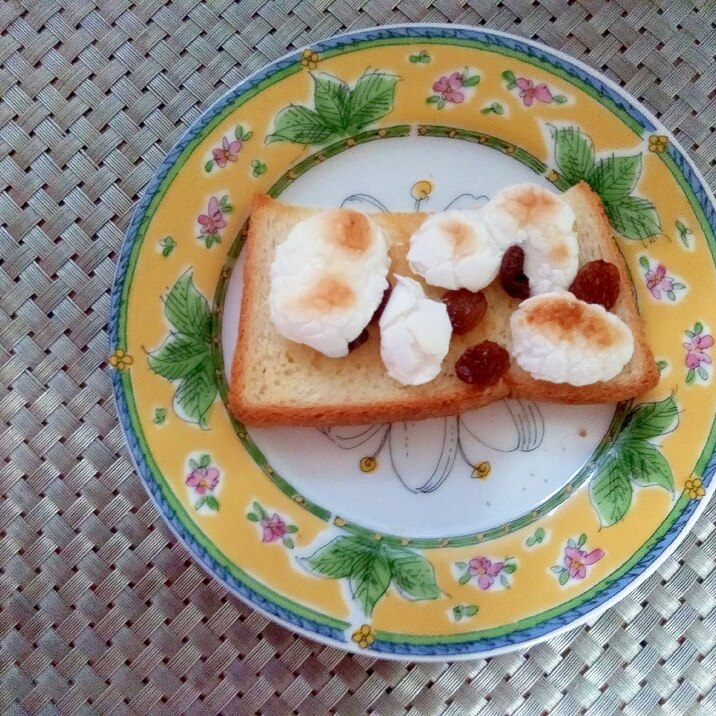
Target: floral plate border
{"x":632,"y":573}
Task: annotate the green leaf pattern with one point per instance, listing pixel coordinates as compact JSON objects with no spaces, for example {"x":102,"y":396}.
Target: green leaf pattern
{"x":340,"y":558}
{"x":370,"y":566}
{"x":372,"y":98}
{"x":257,"y":168}
{"x":178,"y":357}
{"x":647,"y":466}
{"x":299,"y":125}
{"x":464,"y":611}
{"x":332,"y":100}
{"x":685,"y":234}
{"x":413,"y":575}
{"x":633,"y":460}
{"x":573,"y":153}
{"x":167,"y":245}
{"x":633,"y":217}
{"x":421,"y":58}
{"x":370,"y":581}
{"x":338,"y":110}
{"x":187,"y":310}
{"x":185,"y":355}
{"x":494,"y":108}
{"x":611,"y":490}
{"x":613,"y":178}
{"x":537,"y":538}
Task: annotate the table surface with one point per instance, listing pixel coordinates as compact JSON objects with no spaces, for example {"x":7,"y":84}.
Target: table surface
{"x":102,"y":611}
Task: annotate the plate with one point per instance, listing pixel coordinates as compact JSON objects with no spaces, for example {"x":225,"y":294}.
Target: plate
{"x":449,"y":538}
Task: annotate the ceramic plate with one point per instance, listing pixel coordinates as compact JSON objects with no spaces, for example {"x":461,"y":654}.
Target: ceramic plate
{"x":448,"y":538}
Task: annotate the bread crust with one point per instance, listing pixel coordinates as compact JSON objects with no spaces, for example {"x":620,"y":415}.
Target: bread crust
{"x":448,"y":395}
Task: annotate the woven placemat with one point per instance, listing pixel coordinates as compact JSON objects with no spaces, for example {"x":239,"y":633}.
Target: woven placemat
{"x":101,"y":611}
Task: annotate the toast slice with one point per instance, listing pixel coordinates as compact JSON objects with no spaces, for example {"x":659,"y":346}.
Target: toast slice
{"x":275,"y":381}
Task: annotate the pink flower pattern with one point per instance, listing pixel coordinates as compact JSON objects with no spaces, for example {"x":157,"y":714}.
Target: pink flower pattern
{"x":697,"y":358}
{"x":214,"y":221}
{"x":227,"y":152}
{"x":530,"y":93}
{"x":450,"y":88}
{"x":486,"y":571}
{"x":696,"y":348}
{"x":575,"y":560}
{"x":658,"y":282}
{"x":273,"y":528}
{"x":203,"y":479}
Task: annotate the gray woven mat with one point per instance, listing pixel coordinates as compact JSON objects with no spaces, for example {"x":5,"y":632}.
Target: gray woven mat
{"x":101,"y":611}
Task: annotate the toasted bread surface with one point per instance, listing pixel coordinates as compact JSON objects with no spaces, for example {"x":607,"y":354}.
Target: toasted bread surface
{"x":275,"y":381}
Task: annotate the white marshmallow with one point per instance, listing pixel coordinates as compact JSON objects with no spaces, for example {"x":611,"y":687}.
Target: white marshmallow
{"x":558,"y":338}
{"x":415,"y":333}
{"x":455,"y":249}
{"x":327,"y":279}
{"x":543,"y":224}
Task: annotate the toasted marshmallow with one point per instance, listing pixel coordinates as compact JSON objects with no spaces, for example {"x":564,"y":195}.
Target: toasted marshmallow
{"x":543,"y":224}
{"x":414,"y":333}
{"x":455,"y":249}
{"x":559,"y":338}
{"x":327,"y":279}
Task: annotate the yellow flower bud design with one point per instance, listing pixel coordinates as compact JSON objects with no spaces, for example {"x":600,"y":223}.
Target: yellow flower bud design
{"x":120,"y":360}
{"x":658,"y":143}
{"x":694,"y":488}
{"x":309,"y":59}
{"x":363,"y":636}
